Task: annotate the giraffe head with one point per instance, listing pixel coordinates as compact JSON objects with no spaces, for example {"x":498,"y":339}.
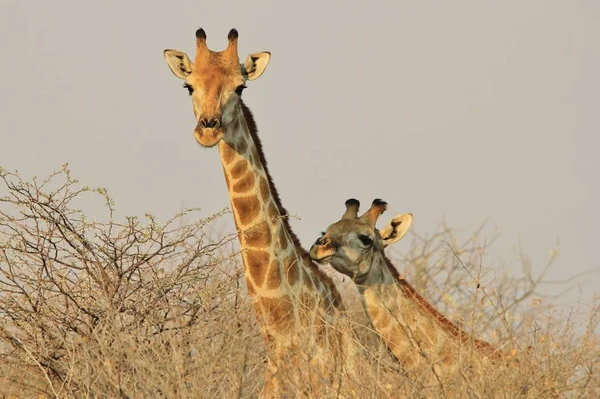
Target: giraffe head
{"x":351,"y":244}
{"x":215,"y":81}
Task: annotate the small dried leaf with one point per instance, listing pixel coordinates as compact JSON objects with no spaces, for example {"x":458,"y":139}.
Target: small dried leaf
{"x":536,"y":302}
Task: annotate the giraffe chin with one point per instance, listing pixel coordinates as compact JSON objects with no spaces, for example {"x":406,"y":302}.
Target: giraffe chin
{"x":208,"y":137}
{"x":321,"y":256}
{"x":324,"y":261}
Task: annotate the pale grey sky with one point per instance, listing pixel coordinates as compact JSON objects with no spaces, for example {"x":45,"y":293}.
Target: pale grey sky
{"x":465,"y":110}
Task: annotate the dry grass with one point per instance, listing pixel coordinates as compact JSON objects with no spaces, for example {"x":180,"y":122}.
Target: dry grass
{"x":139,"y":309}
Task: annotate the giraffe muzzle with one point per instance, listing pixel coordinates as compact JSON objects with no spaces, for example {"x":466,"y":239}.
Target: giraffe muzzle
{"x":209,"y":131}
{"x":323,"y":250}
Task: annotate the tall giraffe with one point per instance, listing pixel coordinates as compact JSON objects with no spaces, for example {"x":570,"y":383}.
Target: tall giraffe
{"x":419,"y":336}
{"x":290,"y":294}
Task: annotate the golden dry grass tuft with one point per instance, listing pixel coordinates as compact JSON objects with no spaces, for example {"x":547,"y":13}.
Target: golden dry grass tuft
{"x":139,"y":309}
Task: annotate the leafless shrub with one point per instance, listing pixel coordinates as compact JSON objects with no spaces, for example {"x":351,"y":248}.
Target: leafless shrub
{"x":509,"y":311}
{"x":76,"y":291}
{"x":138,"y":308}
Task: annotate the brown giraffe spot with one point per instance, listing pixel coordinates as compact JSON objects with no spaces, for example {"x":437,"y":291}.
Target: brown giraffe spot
{"x":382,"y":320}
{"x":389,"y":341}
{"x":374,"y":311}
{"x":291,"y":270}
{"x":409,"y":314}
{"x":277,"y":312}
{"x":239,"y":168}
{"x":270,"y":341}
{"x":428,"y":329}
{"x":447,"y":355}
{"x":227,"y":153}
{"x":264,"y":189}
{"x":398,"y":344}
{"x":424,"y":341}
{"x":245,"y":184}
{"x":273,"y":279}
{"x":258,"y":263}
{"x":251,"y":289}
{"x":408,"y":360}
{"x":248,"y":208}
{"x":257,"y":236}
{"x":283,"y":240}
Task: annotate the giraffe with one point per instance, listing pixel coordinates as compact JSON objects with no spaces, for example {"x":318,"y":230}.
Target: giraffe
{"x":294,"y":301}
{"x":419,"y":337}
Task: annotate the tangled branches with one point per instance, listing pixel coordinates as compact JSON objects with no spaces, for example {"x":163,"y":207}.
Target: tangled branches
{"x":64,"y":278}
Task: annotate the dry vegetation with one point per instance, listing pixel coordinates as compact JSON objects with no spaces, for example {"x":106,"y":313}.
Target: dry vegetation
{"x":140,"y":309}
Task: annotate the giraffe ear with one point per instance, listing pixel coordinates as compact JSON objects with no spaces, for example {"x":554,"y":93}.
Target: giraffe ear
{"x":396,"y":229}
{"x":255,"y":65}
{"x":179,"y":62}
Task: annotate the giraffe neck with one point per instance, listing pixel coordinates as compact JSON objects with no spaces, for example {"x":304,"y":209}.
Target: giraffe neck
{"x":276,"y":267}
{"x":289,"y":293}
{"x":412,"y":328}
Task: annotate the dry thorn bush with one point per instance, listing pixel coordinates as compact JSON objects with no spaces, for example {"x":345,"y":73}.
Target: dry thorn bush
{"x":116,"y":309}
{"x":138,"y":308}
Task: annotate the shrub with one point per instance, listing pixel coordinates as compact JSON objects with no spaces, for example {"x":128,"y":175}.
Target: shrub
{"x":138,"y":308}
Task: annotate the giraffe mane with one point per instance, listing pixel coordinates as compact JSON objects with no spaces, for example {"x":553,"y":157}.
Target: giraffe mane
{"x":308,"y":262}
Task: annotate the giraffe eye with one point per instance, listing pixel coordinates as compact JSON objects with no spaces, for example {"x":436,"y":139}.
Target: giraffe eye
{"x":366,"y":240}
{"x":189,"y":88}
{"x":239,"y":89}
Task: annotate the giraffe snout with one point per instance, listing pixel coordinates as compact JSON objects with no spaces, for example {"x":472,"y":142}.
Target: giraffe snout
{"x":209,"y":131}
{"x":322,"y":250}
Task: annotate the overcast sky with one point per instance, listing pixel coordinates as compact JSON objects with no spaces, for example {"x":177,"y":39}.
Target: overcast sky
{"x":465,"y":110}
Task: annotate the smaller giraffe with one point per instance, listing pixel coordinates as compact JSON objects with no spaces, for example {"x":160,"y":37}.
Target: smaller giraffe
{"x":419,"y":336}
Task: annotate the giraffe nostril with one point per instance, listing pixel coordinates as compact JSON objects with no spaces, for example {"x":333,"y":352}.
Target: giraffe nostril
{"x":203,"y":123}
{"x":215,"y":123}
